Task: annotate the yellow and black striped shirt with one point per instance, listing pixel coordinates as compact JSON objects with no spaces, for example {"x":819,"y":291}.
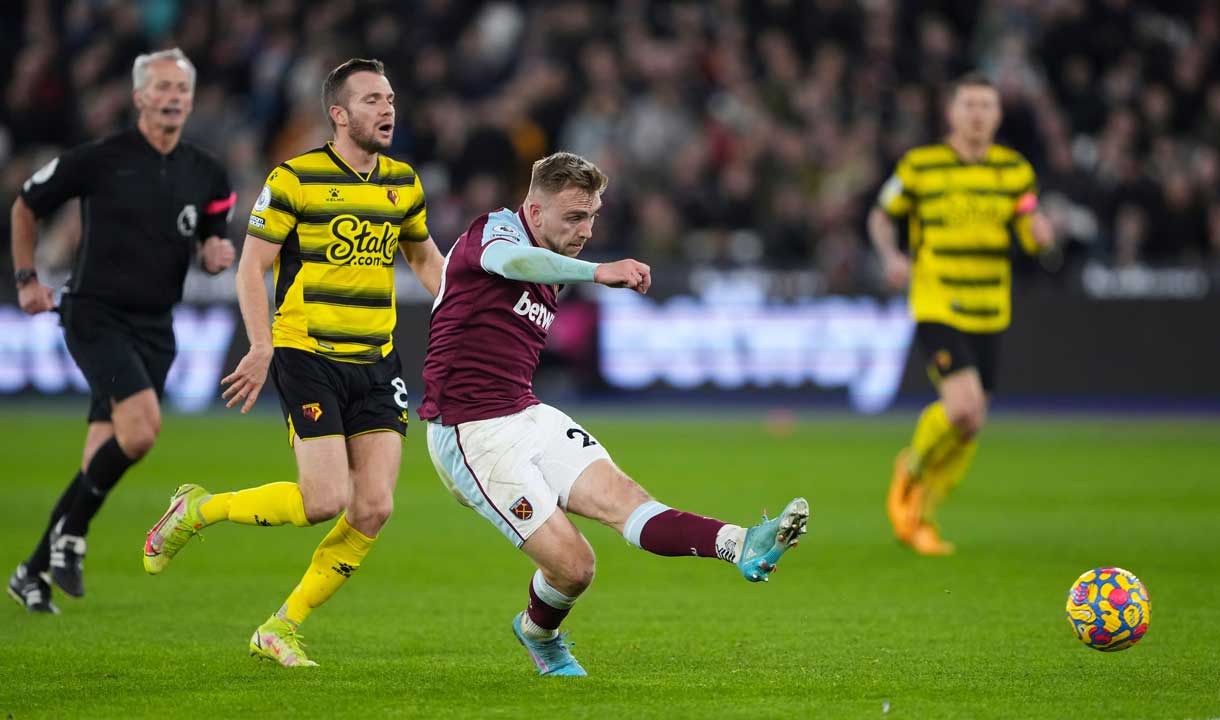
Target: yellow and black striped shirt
{"x":334,"y":276}
{"x":961,"y":216}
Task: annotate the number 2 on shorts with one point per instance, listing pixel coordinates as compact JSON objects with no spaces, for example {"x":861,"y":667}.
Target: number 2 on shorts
{"x":588,"y":441}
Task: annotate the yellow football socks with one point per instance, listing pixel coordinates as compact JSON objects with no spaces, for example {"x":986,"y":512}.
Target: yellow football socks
{"x":939,"y":457}
{"x":277,"y":503}
{"x":337,"y":557}
{"x":935,"y":438}
{"x":946,"y":475}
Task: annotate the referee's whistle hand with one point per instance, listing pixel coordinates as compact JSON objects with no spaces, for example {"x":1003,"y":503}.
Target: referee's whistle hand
{"x":34,"y":298}
{"x":217,"y":254}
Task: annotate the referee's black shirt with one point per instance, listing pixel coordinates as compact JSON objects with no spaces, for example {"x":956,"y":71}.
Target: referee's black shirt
{"x":142,"y":215}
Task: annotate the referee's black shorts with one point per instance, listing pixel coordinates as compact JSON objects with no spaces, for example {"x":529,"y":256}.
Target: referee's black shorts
{"x":947,"y":350}
{"x":321,"y":397}
{"x":119,"y":352}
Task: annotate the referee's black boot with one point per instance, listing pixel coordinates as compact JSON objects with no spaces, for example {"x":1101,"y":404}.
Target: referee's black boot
{"x":31,"y":591}
{"x":67,"y":561}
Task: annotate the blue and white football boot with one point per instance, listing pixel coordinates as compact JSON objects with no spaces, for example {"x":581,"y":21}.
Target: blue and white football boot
{"x":551,"y":657}
{"x":767,"y":541}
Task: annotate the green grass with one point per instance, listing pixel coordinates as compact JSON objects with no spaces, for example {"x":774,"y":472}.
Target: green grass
{"x":852,"y":624}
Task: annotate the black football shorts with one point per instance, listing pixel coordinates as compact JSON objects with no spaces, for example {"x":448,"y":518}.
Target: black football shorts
{"x":120,"y":353}
{"x":321,"y":397}
{"x":948,"y":350}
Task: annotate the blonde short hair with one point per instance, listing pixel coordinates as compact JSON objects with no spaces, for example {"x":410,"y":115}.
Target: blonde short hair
{"x":562,"y":170}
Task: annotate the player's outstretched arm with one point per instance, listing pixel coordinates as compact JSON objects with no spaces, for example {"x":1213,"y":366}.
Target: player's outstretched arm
{"x":624,"y":274}
{"x":426,"y":262}
{"x":245,"y":383}
{"x":534,"y":264}
{"x":538,"y":265}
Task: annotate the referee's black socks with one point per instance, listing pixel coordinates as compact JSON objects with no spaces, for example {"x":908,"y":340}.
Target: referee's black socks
{"x":107,"y":466}
{"x":40,"y":560}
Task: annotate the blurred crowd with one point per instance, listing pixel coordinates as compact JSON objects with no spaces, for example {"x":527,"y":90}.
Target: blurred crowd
{"x":736,"y":132}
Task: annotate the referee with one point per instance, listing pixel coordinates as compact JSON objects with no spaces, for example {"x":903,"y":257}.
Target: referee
{"x":149,"y":203}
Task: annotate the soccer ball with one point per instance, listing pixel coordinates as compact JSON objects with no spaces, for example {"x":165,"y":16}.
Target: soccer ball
{"x":1108,"y":608}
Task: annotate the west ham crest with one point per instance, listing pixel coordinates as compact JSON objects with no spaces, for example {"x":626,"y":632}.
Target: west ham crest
{"x":522,"y":509}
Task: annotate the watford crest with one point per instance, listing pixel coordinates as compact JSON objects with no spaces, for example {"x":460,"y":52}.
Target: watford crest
{"x":313,"y":411}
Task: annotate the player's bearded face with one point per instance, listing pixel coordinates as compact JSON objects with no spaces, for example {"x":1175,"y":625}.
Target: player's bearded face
{"x":371,"y":134}
{"x":974,"y":113}
{"x":566,"y":220}
{"x":370,"y":112}
{"x":167,"y":97}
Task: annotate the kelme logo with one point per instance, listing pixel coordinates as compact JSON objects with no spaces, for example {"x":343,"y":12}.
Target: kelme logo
{"x":359,"y":242}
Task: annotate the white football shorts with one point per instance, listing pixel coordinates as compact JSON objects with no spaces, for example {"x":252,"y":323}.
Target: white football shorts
{"x":514,"y":470}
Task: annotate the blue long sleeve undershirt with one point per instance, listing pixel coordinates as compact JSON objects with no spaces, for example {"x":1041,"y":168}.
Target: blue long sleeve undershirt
{"x":535,"y":264}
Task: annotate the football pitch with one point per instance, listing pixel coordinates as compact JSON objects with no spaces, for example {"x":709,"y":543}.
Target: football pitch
{"x":854,"y":627}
